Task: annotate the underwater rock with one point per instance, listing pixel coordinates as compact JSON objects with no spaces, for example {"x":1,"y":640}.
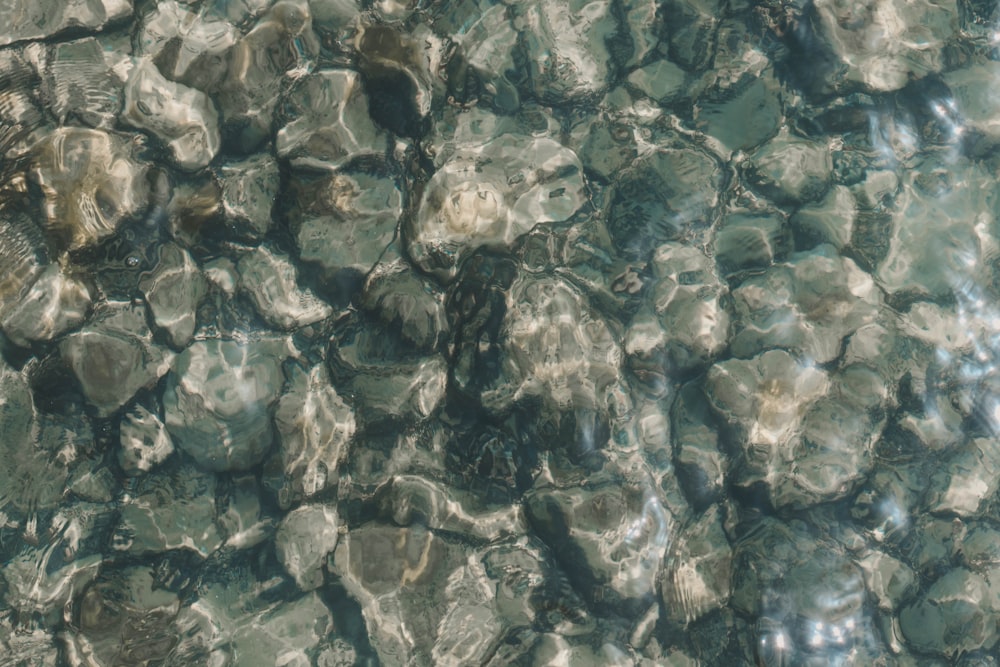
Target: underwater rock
{"x":249,"y":190}
{"x":807,"y":305}
{"x":174,"y":510}
{"x":328,"y":122}
{"x":304,"y":539}
{"x":281,"y":48}
{"x":22,"y":258}
{"x":188,"y":47}
{"x":567,"y":55}
{"x":416,"y":589}
{"x":967,"y":478}
{"x":345,"y":220}
{"x":976,"y":106}
{"x":113,"y":357}
{"x":700,"y":466}
{"x":403,"y":299}
{"x":40,"y":583}
{"x":183,"y":118}
{"x":957,"y":614}
{"x":386,"y":380}
{"x":55,"y":303}
{"x":316,"y":427}
{"x":691,"y":31}
{"x":488,"y":196}
{"x":400,"y":75}
{"x":829,"y":220}
{"x":90,"y":183}
{"x":82,"y":85}
{"x":686,"y":325}
{"x":610,"y":538}
{"x":271,"y":281}
{"x":558,"y":349}
{"x":805,"y":597}
{"x":661,"y":197}
{"x":218,"y":400}
{"x":748,"y":240}
{"x":790,"y":170}
{"x":695,"y":579}
{"x":881,"y":46}
{"x":480,"y":69}
{"x":643,"y":24}
{"x":23,"y":19}
{"x":173,"y":291}
{"x":940,"y":237}
{"x":145,"y":442}
{"x":240,"y":618}
{"x":113,"y":607}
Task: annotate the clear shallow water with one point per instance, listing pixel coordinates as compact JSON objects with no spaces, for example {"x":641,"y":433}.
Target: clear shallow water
{"x":499,"y":333}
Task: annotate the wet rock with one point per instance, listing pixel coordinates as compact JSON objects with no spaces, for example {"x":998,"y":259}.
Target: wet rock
{"x":183,"y":118}
{"x":976,"y":107}
{"x":490,"y":195}
{"x":750,"y":240}
{"x":643,"y":25}
{"x":32,"y":472}
{"x":566,"y":48}
{"x":173,"y":291}
{"x":558,"y":349}
{"x":249,"y":190}
{"x":482,"y":68}
{"x":55,"y":303}
{"x":805,"y":595}
{"x":39,"y":583}
{"x":111,"y":609}
{"x":610,"y":539}
{"x":402,"y":299}
{"x":82,"y":85}
{"x":687,"y":324}
{"x":939,"y":239}
{"x":663,"y":196}
{"x":328,"y":122}
{"x":410,"y":499}
{"x":22,"y":258}
{"x":790,"y":170}
{"x":882,"y":46}
{"x":385,"y":379}
{"x":701,"y":468}
{"x":662,"y":81}
{"x":188,"y":47}
{"x":967,"y":478}
{"x":691,"y":31}
{"x":240,"y":619}
{"x":36,"y":648}
{"x":830,"y":220}
{"x":271,"y":281}
{"x":145,"y":442}
{"x":807,"y":305}
{"x":346,"y":220}
{"x":955,"y":615}
{"x":279,"y":49}
{"x":399,"y":71}
{"x":305,"y":537}
{"x":242,"y":518}
{"x":27,"y":20}
{"x":316,"y":428}
{"x":415,"y":589}
{"x":173,"y":510}
{"x":90,"y":182}
{"x":608,"y":146}
{"x":113,"y":357}
{"x":218,"y":399}
{"x":888,"y":579}
{"x":739,"y":99}
{"x":696,"y":575}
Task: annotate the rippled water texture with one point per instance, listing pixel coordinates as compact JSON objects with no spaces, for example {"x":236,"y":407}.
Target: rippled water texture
{"x":531,"y":332}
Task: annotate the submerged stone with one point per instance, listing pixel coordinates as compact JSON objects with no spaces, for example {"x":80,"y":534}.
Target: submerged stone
{"x":90,"y":182}
{"x":25,"y":20}
{"x":55,"y":303}
{"x":218,"y":400}
{"x":183,"y":118}
{"x":173,"y":291}
{"x":271,"y":281}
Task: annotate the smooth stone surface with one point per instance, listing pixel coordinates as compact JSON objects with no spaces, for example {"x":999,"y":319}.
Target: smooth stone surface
{"x":218,"y":401}
{"x":55,"y":303}
{"x":271,"y":281}
{"x":184,"y":119}
{"x":173,"y":291}
{"x":304,"y":539}
{"x":329,"y":125}
{"x":24,"y":19}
